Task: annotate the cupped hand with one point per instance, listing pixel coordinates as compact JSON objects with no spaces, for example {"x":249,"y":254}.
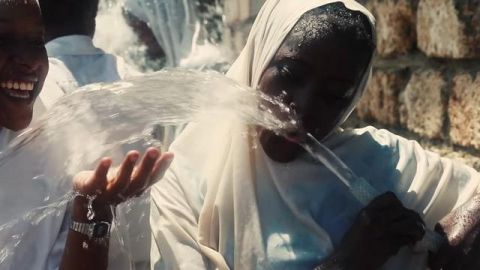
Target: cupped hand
{"x":130,"y":180}
{"x":379,"y":231}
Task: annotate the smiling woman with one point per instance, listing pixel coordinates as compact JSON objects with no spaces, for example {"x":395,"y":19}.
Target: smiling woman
{"x":23,"y":62}
{"x":23,"y":69}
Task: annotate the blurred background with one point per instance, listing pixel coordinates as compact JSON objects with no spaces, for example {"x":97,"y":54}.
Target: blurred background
{"x":426,"y":79}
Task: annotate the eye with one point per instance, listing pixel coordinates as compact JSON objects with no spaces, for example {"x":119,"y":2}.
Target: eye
{"x":286,"y":72}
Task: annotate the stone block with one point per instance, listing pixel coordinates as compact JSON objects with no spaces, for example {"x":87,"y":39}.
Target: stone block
{"x":464,"y":110}
{"x":380,"y":101}
{"x":396,"y":31}
{"x":423,"y":109}
{"x":449,"y":28}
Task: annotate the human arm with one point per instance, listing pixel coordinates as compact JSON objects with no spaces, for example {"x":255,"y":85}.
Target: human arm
{"x":461,"y":228}
{"x":83,"y":252}
{"x":379,"y":231}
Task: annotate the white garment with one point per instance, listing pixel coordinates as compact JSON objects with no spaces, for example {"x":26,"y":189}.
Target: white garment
{"x":223,"y":205}
{"x":87,"y":63}
{"x":74,"y":62}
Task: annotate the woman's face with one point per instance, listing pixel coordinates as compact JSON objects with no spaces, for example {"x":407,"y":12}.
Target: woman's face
{"x":23,"y":61}
{"x":319,"y":77}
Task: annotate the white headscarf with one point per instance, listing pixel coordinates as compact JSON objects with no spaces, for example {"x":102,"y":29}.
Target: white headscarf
{"x":173,"y":22}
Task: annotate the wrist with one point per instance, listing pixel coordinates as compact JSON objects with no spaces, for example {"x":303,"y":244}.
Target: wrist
{"x":101,"y":212}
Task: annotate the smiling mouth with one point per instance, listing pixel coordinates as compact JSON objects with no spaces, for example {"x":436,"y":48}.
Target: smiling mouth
{"x":18,"y":89}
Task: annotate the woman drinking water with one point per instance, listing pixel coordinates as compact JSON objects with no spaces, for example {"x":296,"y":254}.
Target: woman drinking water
{"x":242,"y":197}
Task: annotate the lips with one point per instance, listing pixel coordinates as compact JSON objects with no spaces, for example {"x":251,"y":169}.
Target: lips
{"x":18,"y":89}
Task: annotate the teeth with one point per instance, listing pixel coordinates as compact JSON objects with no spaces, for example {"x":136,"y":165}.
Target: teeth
{"x":16,"y":94}
{"x":18,"y":85}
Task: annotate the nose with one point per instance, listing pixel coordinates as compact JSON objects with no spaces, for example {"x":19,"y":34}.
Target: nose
{"x":304,"y":100}
{"x":26,"y":59}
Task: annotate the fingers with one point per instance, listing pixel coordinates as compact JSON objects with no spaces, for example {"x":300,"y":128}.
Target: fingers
{"x":122,"y":180}
{"x":142,"y":176}
{"x":98,"y":182}
{"x":130,"y":180}
{"x":409,"y":230}
{"x":161,"y":167}
{"x":388,"y":219}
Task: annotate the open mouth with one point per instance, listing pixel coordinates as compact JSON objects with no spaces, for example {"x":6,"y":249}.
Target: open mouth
{"x":18,"y":89}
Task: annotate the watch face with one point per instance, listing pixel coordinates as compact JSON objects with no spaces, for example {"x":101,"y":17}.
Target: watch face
{"x":100,"y":230}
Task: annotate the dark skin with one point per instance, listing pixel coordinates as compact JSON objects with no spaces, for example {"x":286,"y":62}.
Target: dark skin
{"x":461,"y":227}
{"x":319,"y":78}
{"x":23,"y":58}
{"x":65,"y":25}
{"x":111,"y":187}
{"x":145,"y":36}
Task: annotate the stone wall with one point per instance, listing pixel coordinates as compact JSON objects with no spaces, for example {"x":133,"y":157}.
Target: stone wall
{"x":426,"y":79}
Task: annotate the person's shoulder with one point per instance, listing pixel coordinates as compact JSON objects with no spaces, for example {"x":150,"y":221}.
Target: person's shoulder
{"x":368,"y":133}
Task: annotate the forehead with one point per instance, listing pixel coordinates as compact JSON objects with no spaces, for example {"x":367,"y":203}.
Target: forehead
{"x":20,"y":12}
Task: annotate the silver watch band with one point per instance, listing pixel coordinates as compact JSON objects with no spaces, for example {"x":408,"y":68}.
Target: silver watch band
{"x":97,"y":230}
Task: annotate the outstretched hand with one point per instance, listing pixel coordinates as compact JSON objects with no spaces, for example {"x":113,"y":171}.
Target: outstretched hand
{"x":110,"y":188}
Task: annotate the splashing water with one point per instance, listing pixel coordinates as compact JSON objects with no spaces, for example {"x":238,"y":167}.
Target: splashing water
{"x":109,"y":120}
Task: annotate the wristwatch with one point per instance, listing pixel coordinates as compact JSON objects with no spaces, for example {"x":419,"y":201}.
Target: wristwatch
{"x":96,"y":230}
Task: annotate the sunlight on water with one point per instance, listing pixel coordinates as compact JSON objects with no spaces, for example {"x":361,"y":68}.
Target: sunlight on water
{"x":109,"y":120}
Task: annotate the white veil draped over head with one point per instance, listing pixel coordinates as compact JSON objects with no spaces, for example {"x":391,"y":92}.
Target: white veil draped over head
{"x":217,"y":204}
{"x":173,"y":22}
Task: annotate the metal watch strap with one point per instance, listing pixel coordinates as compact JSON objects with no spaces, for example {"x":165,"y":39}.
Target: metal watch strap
{"x":98,"y":230}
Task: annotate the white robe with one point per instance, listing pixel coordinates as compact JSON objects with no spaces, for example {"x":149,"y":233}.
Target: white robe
{"x":225,"y":205}
{"x":87,"y":63}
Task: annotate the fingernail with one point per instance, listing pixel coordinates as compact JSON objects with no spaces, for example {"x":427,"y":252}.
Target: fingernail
{"x":153,"y":154}
{"x":106,"y":162}
{"x":134,"y":157}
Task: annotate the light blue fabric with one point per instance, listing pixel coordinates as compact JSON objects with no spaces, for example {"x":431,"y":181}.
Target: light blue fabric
{"x":87,"y":63}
